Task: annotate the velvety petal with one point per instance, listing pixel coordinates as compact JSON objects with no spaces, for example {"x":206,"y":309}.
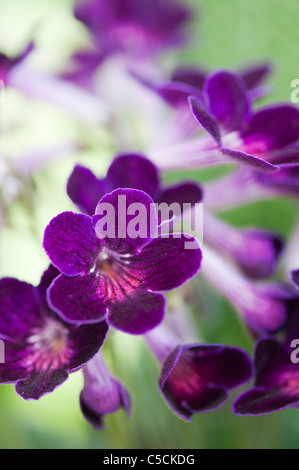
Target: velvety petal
{"x":271,"y":128}
{"x":133,"y":171}
{"x":71,"y":243}
{"x":166,"y":263}
{"x":191,"y":76}
{"x":85,"y":189}
{"x":182,"y":193}
{"x":221,"y":365}
{"x":19,"y":309}
{"x":47,"y":278}
{"x":228,"y":102}
{"x":260,"y":401}
{"x":138,"y":313}
{"x":83,"y":343}
{"x":255,"y":75}
{"x":78,"y":299}
{"x":247,"y":159}
{"x":132,"y":220}
{"x":205,"y":119}
{"x":40,"y":384}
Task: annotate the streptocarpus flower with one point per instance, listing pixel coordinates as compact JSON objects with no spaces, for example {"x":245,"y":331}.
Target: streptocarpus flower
{"x":265,"y":308}
{"x":116,"y":273}
{"x":102,"y":393}
{"x":134,"y":27}
{"x":276,"y":384}
{"x":127,"y":171}
{"x":196,"y":378}
{"x":40,"y":348}
{"x":252,"y":137}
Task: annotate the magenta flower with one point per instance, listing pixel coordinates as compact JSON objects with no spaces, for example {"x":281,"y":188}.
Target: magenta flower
{"x":117,"y":276}
{"x":40,"y":348}
{"x":102,"y":393}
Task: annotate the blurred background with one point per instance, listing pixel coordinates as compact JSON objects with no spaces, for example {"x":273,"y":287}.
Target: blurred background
{"x":229,"y":34}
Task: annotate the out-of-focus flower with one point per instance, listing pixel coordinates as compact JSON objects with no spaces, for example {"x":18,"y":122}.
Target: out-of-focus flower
{"x":127,"y":171}
{"x":40,"y":348}
{"x":276,"y":384}
{"x":107,"y":271}
{"x":255,"y":251}
{"x":265,"y":308}
{"x":196,"y":378}
{"x":102,"y":393}
{"x":134,"y":27}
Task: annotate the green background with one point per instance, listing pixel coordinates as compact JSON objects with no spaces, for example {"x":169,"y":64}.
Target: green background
{"x":230,"y":33}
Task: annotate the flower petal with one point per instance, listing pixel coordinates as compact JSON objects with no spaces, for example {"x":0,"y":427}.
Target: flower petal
{"x":71,"y":243}
{"x":40,"y":384}
{"x":133,"y":171}
{"x":205,"y":119}
{"x":272,"y":128}
{"x":227,"y":97}
{"x":85,"y":189}
{"x":132,"y":220}
{"x":78,"y":299}
{"x":166,"y":263}
{"x":247,"y":159}
{"x":260,"y":401}
{"x":140,"y":312}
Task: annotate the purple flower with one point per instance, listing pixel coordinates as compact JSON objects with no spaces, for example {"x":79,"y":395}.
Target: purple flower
{"x":40,"y":348}
{"x":265,"y":308}
{"x":116,"y":273}
{"x":276,"y":384}
{"x":252,"y":76}
{"x":196,"y":378}
{"x":102,"y":393}
{"x":253,"y":138}
{"x":134,"y":27}
{"x":127,"y":171}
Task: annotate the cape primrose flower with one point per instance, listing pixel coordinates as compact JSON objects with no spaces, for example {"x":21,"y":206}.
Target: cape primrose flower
{"x":196,"y":378}
{"x":117,"y":274}
{"x":40,"y":348}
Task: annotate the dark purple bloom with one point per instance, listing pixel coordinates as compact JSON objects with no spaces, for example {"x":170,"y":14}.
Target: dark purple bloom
{"x":127,"y":171}
{"x":102,"y":393}
{"x":276,"y":384}
{"x":134,"y":27}
{"x":120,"y":271}
{"x":196,"y":378}
{"x":258,"y":136}
{"x":40,"y":348}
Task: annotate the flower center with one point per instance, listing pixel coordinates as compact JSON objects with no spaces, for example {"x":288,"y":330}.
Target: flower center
{"x":48,"y":346}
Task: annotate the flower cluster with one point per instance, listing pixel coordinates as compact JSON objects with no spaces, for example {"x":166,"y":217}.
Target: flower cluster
{"x":113,"y":261}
